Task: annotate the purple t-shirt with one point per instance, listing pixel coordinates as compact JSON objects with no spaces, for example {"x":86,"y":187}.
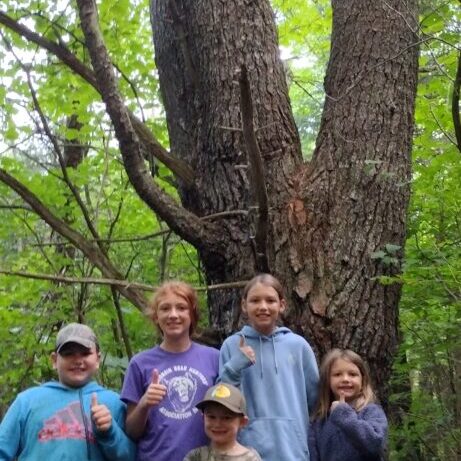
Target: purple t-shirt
{"x":175,"y":426}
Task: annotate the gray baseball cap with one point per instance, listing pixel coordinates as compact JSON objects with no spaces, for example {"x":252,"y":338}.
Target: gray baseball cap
{"x":76,"y":333}
{"x":226,"y":395}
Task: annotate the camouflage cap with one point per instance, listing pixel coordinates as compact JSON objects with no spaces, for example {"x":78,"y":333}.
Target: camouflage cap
{"x":76,"y":333}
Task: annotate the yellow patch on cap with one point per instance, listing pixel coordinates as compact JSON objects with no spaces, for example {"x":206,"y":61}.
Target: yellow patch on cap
{"x":221,"y":392}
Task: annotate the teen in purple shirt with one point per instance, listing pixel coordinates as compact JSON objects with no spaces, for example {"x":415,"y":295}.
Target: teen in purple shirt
{"x":162,"y":385}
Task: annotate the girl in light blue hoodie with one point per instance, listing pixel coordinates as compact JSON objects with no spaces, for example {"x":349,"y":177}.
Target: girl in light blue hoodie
{"x":277,"y":372}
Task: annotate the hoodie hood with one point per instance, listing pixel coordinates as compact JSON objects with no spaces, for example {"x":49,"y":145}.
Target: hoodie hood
{"x":88,"y":388}
{"x":250,"y":332}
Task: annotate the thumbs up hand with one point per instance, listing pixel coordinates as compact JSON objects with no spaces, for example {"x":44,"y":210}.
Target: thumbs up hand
{"x":155,"y":391}
{"x":247,"y":350}
{"x":100,"y":414}
{"x":335,"y":403}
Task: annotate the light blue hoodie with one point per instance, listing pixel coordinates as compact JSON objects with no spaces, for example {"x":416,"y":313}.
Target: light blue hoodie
{"x":280,"y":390}
{"x":53,"y":422}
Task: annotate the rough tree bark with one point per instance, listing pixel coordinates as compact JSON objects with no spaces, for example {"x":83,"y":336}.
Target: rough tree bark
{"x":336,"y":223}
{"x":327,"y":216}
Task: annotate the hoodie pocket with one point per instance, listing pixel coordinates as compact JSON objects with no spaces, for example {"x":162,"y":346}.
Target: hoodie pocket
{"x":276,"y":439}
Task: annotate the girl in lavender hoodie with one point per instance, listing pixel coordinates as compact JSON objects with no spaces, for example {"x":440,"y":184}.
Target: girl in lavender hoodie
{"x":348,"y":425}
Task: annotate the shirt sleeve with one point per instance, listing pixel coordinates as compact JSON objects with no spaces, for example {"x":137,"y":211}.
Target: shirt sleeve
{"x":311,"y":373}
{"x":193,"y":455}
{"x":231,"y":363}
{"x":132,"y":389}
{"x":11,"y":428}
{"x":254,"y":455}
{"x":114,"y":443}
{"x":313,"y":451}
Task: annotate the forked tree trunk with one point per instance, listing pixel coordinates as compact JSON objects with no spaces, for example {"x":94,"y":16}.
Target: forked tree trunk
{"x":329,"y":217}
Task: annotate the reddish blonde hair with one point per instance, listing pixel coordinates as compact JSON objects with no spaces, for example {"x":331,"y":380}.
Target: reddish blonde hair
{"x":326,"y":397}
{"x":181,"y":289}
{"x":264,"y":279}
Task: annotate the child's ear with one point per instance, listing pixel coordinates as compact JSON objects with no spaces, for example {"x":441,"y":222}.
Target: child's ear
{"x":54,"y":360}
{"x":283,"y":305}
{"x":243,"y":421}
{"x":243,"y":306}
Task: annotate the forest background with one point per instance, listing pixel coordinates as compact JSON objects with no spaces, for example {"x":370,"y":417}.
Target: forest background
{"x":48,"y":114}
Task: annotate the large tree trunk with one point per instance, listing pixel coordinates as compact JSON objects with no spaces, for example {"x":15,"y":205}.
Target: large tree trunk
{"x":327,"y":217}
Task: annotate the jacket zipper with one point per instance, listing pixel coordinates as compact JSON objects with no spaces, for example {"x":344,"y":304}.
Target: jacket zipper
{"x":85,"y":425}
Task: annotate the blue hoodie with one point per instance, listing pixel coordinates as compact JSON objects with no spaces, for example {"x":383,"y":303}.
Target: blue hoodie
{"x":53,"y":421}
{"x":280,"y":390}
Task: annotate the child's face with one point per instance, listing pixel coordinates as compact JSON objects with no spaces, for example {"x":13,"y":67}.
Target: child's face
{"x":173,"y":316}
{"x":222,"y":425}
{"x":345,"y":379}
{"x":76,"y":365}
{"x":263,"y":307}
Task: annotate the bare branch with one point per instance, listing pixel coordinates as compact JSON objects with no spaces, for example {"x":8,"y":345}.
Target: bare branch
{"x":441,"y":128}
{"x":121,"y":322}
{"x":180,"y":168}
{"x":114,"y":282}
{"x":79,"y":280}
{"x":59,"y":154}
{"x":455,"y":104}
{"x":257,"y":182}
{"x":184,"y":223}
{"x":15,"y":207}
{"x":91,"y":251}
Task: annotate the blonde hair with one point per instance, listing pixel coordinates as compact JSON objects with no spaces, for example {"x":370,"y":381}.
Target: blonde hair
{"x":181,"y":289}
{"x":264,"y":279}
{"x":326,"y":396}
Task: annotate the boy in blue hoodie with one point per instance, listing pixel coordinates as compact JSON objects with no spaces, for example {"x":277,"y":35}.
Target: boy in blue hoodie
{"x":71,"y":419}
{"x":276,"y":371}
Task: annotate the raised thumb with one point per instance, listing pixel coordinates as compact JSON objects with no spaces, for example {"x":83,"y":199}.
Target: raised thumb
{"x":155,"y":376}
{"x":94,"y":399}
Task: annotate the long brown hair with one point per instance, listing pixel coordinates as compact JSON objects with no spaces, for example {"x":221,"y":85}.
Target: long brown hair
{"x":326,"y":397}
{"x":181,"y":289}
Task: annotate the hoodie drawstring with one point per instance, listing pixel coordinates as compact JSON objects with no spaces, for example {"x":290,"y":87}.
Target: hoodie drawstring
{"x":261,"y":356}
{"x":85,"y":425}
{"x":275,"y":356}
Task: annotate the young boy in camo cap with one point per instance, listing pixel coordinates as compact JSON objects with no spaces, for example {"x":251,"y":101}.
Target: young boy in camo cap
{"x":224,"y":411}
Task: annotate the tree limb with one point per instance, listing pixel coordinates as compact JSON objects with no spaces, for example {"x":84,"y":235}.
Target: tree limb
{"x":180,"y":168}
{"x":455,"y":104}
{"x":187,"y":225}
{"x":113,"y":282}
{"x":61,"y":161}
{"x":91,"y":251}
{"x":257,"y":182}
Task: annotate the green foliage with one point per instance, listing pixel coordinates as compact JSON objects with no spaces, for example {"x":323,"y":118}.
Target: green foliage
{"x":31,"y":311}
{"x":430,"y":309}
{"x":304,"y":34}
{"x":426,"y":378}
